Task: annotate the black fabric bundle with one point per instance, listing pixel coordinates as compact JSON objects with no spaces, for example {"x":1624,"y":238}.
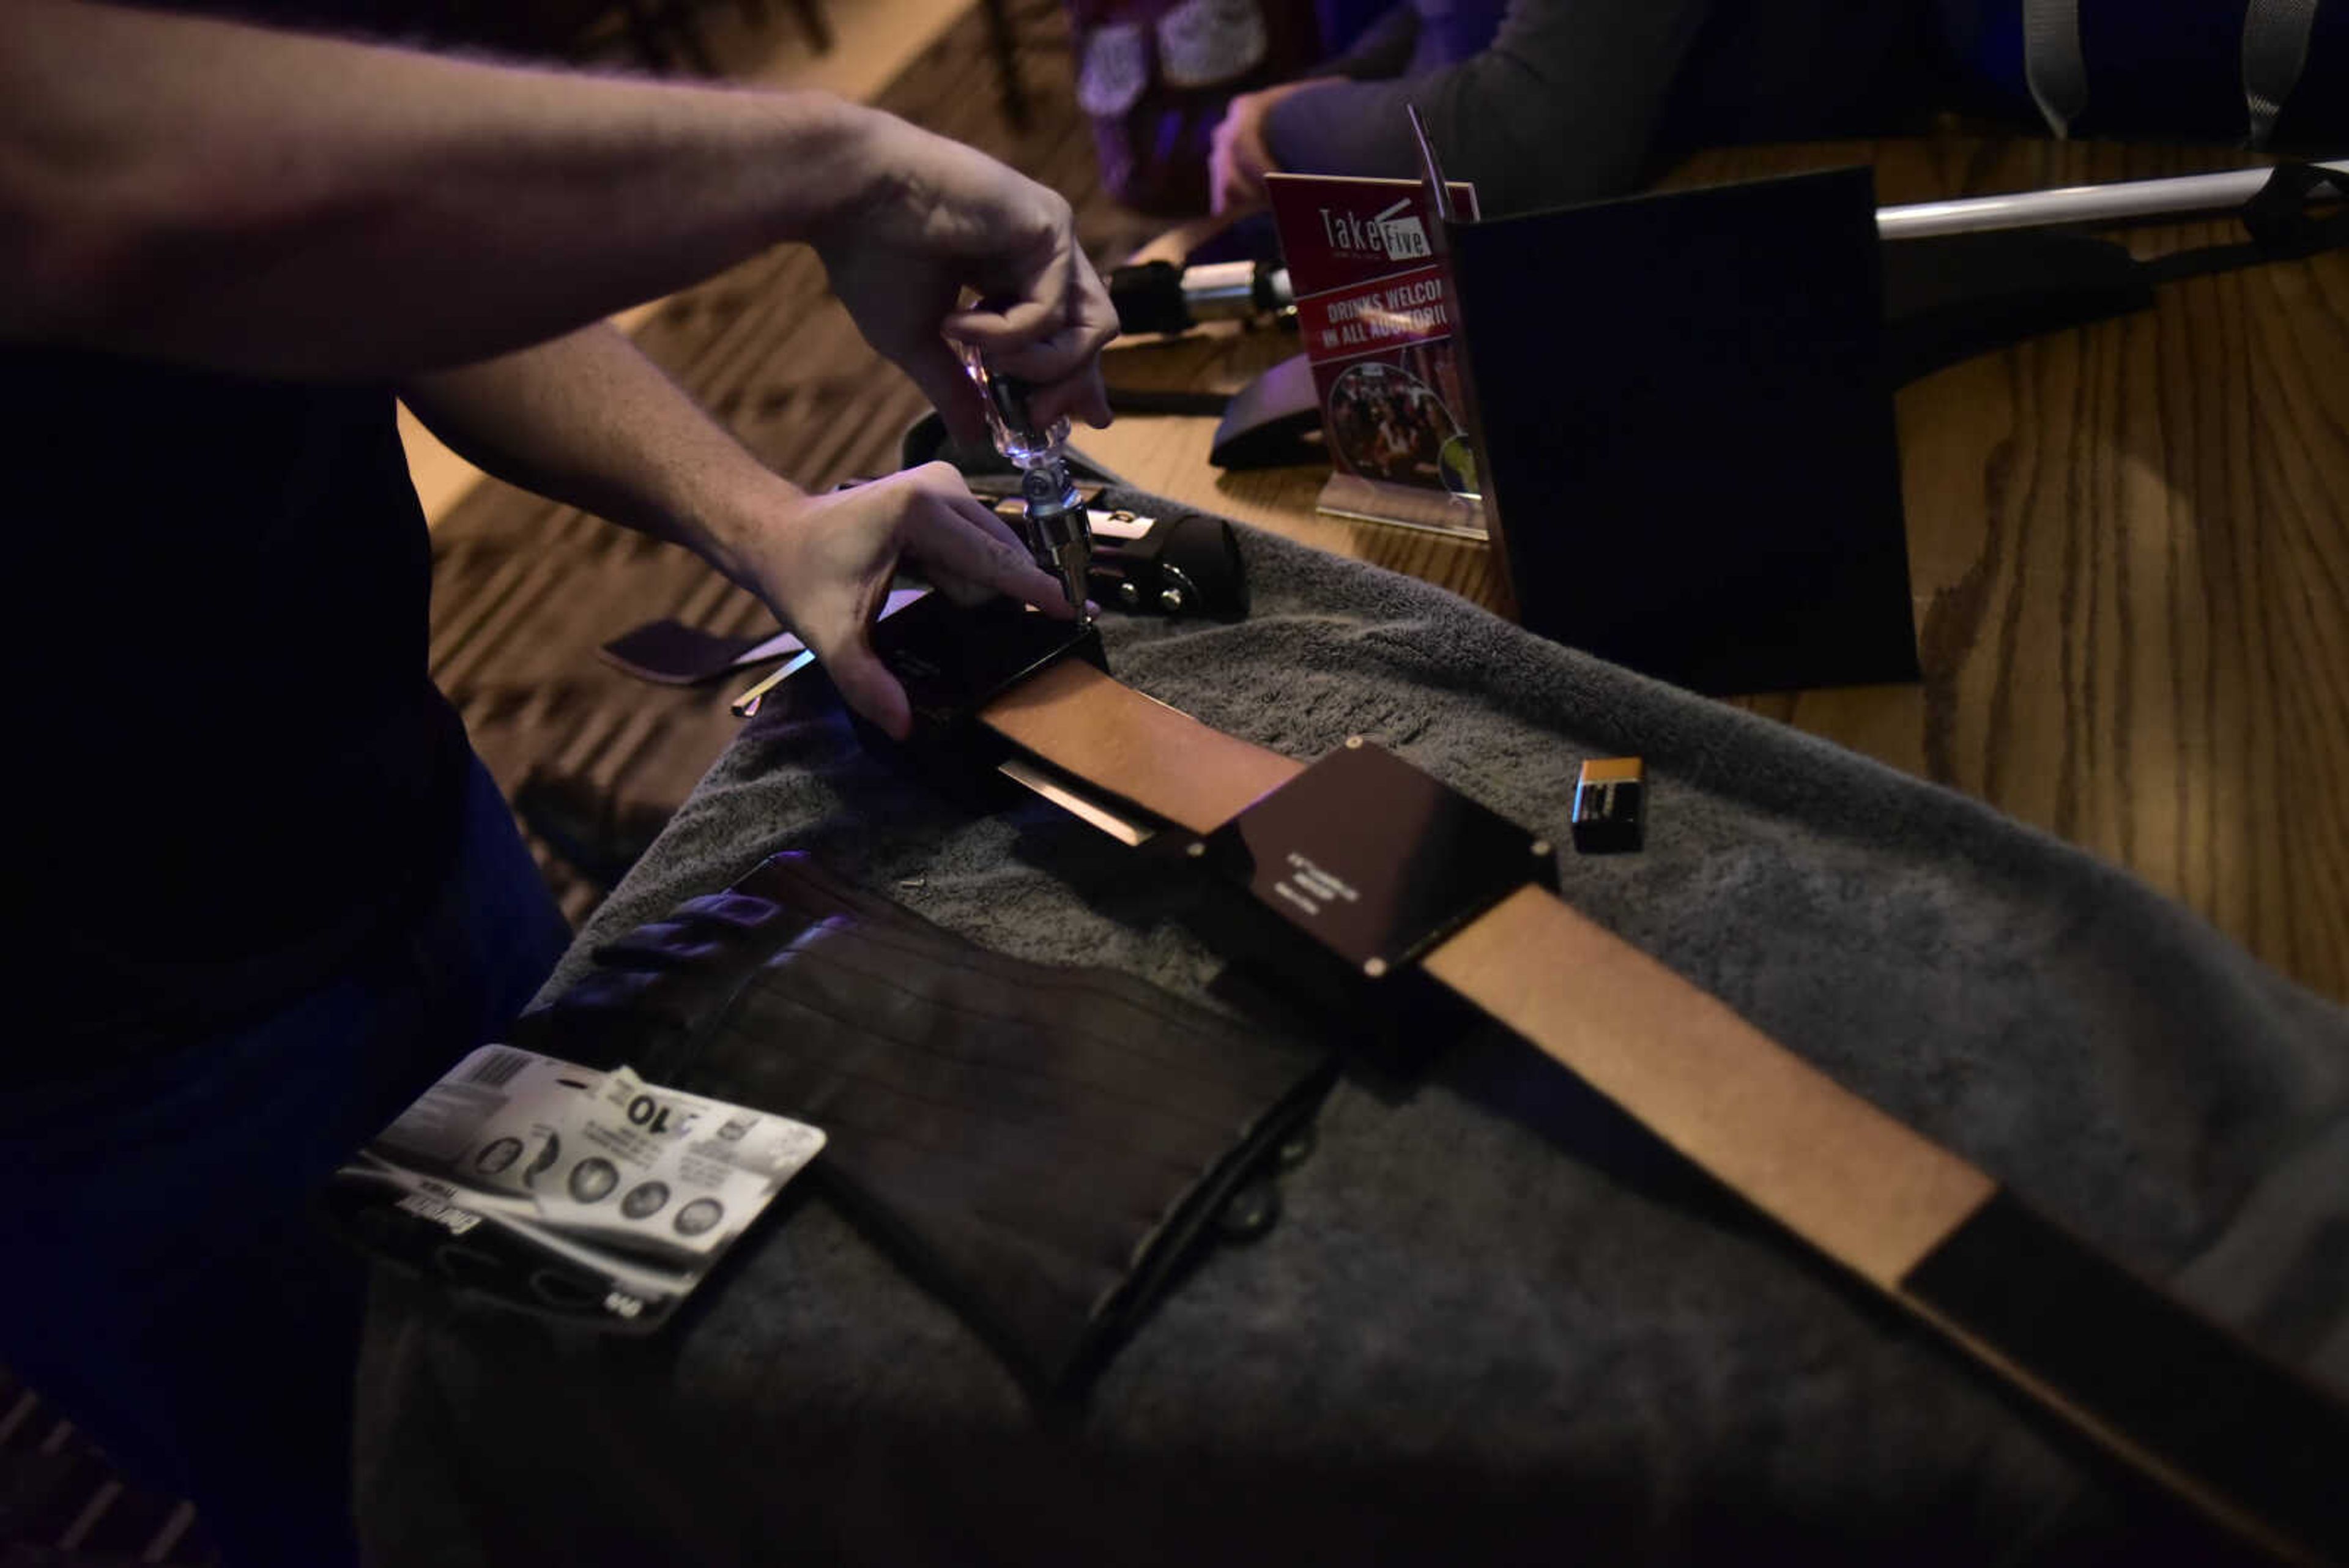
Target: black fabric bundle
{"x":1042,"y":1145}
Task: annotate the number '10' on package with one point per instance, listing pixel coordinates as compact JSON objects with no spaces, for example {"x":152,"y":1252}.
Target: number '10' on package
{"x":534,"y":1183}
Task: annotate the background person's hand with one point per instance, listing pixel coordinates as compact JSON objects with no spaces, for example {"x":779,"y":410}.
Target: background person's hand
{"x":949,"y":218}
{"x":822,"y":563}
{"x":1239,"y":158}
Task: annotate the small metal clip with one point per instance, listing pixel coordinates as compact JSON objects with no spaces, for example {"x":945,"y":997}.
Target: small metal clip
{"x":747,"y":704}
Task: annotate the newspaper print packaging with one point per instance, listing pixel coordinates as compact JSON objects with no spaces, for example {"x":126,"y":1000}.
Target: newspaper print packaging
{"x":1375,"y":306}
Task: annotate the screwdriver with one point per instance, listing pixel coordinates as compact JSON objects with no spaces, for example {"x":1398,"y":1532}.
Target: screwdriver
{"x":1060,"y":533}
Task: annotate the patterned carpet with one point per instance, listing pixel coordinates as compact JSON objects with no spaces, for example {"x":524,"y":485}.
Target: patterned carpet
{"x":62,"y":1505}
{"x":524,"y":591}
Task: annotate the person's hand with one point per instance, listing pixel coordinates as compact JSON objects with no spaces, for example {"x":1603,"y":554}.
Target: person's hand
{"x":947,"y":218}
{"x":1238,"y":155}
{"x":822,"y":563}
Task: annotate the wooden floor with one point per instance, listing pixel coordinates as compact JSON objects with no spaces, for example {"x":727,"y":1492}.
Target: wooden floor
{"x":873,"y":41}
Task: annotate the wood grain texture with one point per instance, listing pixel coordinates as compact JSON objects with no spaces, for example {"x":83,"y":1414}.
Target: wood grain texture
{"x":2128,"y":547}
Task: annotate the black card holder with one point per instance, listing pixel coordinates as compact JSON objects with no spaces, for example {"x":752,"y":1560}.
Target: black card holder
{"x":1686,"y":438}
{"x":1044,"y":1148}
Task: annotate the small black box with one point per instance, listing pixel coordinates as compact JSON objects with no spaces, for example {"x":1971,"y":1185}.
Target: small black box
{"x":1610,"y":806}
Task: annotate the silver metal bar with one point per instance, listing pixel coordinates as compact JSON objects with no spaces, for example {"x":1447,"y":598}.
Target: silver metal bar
{"x":1213,"y":291}
{"x":1084,"y":807}
{"x":2078,"y":203}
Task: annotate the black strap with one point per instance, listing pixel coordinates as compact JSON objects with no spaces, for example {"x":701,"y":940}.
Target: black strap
{"x":1953,"y":297}
{"x":2283,"y":223}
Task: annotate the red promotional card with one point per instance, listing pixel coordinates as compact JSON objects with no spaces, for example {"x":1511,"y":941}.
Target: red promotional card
{"x":1374,"y":307}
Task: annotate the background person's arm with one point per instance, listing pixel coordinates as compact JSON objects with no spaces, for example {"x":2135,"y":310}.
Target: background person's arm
{"x":1580,"y":99}
{"x":1564,"y":105}
{"x":254,"y":201}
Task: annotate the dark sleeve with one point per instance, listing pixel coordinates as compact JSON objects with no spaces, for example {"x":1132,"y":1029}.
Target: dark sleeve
{"x":1384,"y":48}
{"x":1563,"y":108}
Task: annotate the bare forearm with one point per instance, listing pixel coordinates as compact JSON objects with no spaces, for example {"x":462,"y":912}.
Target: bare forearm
{"x":294,"y":206}
{"x":589,"y":420}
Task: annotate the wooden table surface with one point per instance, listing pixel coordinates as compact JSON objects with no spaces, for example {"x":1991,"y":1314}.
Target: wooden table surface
{"x":2128,"y":546}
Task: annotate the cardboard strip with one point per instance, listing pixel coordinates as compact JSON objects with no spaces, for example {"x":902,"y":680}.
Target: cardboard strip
{"x":1135,"y":747}
{"x":1867,"y":1190}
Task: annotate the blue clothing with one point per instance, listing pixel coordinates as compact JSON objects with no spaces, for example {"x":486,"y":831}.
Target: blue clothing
{"x":1549,"y":102}
{"x":170,"y":1288}
{"x":1570,"y":100}
{"x":226,"y":579}
{"x":2166,"y":68}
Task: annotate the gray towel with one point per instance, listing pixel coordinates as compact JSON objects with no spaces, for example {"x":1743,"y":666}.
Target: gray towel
{"x":1496,"y":1321}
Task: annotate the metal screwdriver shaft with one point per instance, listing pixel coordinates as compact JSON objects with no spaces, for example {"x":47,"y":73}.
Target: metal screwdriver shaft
{"x":1058,"y":532}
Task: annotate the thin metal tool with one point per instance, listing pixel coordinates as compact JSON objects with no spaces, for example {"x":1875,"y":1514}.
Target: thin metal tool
{"x":1059,"y":531}
{"x":745,"y":705}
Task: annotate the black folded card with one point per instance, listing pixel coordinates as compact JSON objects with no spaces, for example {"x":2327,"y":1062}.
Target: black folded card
{"x":1046,"y":1148}
{"x":1686,"y":435}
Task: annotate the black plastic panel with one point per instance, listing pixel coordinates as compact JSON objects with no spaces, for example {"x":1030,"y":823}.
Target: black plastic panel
{"x":1374,"y":859}
{"x":2181,"y":1388}
{"x":954,"y":660}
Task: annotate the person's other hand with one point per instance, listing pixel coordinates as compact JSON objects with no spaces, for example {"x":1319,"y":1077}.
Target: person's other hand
{"x":946,"y":217}
{"x":822,"y":563}
{"x":1238,"y":155}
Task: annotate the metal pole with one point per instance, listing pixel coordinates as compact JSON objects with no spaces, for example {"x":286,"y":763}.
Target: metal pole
{"x":1220,"y":288}
{"x":2078,"y":204}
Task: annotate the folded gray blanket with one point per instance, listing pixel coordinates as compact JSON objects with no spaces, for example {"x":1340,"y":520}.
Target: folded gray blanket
{"x":1496,"y":1321}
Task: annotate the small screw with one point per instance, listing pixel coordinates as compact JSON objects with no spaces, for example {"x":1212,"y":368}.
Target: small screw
{"x":1374,"y":968}
{"x":1171,"y":598}
{"x":1541,"y":848}
{"x":1353,"y":742}
{"x":1129,"y":594}
{"x":1196,"y":849}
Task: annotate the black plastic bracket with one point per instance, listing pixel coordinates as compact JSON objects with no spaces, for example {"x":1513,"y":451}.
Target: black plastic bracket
{"x":1375,"y":860}
{"x":953,"y":659}
{"x":1342,"y":878}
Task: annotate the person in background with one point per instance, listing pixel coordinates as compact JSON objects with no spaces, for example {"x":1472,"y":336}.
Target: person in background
{"x":1550,"y":102}
{"x":269,"y":894}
